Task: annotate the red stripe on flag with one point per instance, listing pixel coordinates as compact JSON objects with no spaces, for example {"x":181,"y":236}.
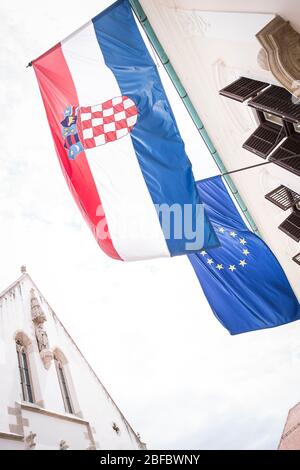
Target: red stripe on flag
{"x":58,"y":91}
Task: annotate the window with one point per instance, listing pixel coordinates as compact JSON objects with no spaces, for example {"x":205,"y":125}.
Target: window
{"x":63,"y":385}
{"x":272,"y":118}
{"x":297,"y":127}
{"x":25,"y":380}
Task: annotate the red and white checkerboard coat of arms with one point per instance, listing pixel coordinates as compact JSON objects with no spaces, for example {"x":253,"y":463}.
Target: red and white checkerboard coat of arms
{"x":88,"y":127}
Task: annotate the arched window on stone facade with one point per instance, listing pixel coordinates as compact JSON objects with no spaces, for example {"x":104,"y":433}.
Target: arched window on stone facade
{"x":24,"y":369}
{"x":60,"y":364}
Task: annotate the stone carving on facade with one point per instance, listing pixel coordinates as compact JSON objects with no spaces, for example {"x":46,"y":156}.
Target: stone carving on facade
{"x":142,"y":445}
{"x":38,"y":319}
{"x":42,"y":337}
{"x":30,"y":440}
{"x":282,"y":46}
{"x":63,"y":445}
{"x":116,"y":428}
{"x":191,"y":22}
{"x":262,"y":59}
{"x":37,"y":314}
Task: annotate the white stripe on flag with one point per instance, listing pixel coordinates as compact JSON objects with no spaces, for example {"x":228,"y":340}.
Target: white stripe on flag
{"x":131,"y":216}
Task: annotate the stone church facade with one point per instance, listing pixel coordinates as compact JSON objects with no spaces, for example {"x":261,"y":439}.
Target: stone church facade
{"x":50,"y":397}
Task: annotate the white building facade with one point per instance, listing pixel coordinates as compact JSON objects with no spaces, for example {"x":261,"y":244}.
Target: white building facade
{"x":50,"y":398}
{"x":214,"y":43}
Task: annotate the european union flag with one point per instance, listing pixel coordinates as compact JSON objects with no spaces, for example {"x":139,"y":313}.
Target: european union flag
{"x":244,"y":283}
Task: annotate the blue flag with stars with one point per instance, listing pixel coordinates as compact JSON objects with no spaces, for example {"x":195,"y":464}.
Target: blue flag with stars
{"x":244,"y":283}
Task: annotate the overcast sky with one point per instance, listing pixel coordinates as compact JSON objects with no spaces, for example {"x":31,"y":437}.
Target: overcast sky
{"x":181,"y":380}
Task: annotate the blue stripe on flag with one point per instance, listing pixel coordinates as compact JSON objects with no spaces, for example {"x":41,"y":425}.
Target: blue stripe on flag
{"x":156,"y":139}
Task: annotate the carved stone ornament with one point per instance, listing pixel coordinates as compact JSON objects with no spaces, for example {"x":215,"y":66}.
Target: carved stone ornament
{"x":63,"y":445}
{"x":262,"y":59}
{"x":282,"y":45}
{"x":30,"y":440}
{"x":20,"y":347}
{"x":116,"y":428}
{"x":47,"y":357}
{"x":37,"y":313}
{"x":42,"y":337}
{"x":38,"y":319}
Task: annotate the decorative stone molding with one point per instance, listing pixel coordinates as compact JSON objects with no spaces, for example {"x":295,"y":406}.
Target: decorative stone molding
{"x":282,"y":46}
{"x":11,"y":436}
{"x":38,"y":319}
{"x":23,"y":342}
{"x":262,"y":59}
{"x":16,"y":421}
{"x":37,"y":313}
{"x":47,"y":357}
{"x":30,"y":440}
{"x":142,"y":445}
{"x":63,"y":445}
{"x":116,"y":428}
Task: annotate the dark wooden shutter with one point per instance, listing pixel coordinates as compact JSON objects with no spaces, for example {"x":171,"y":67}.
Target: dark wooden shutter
{"x":289,"y":148}
{"x":278,"y":101}
{"x":243,"y":89}
{"x":283,"y":197}
{"x":291,"y":226}
{"x":264,"y":139}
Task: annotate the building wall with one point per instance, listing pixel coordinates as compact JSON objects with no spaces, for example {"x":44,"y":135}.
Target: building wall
{"x":210,"y":44}
{"x":95,"y":411}
{"x":290,"y":439}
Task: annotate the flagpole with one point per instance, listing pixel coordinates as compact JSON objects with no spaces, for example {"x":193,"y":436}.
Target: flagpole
{"x":237,"y":170}
{"x":142,"y":18}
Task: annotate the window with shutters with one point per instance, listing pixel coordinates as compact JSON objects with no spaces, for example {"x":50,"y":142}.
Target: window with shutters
{"x":243,"y":89}
{"x":265,"y":138}
{"x":287,"y":155}
{"x":291,"y":225}
{"x":277,"y":101}
{"x":283,"y":197}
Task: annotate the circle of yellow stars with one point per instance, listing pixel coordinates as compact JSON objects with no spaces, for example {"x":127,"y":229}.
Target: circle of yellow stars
{"x":231,"y":267}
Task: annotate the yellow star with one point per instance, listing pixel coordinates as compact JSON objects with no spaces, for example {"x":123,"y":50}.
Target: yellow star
{"x":243,"y":241}
{"x":233,"y":234}
{"x":232,"y":268}
{"x":219,"y":267}
{"x":221,"y":229}
{"x":246,"y":252}
{"x":203,"y":253}
{"x":210,"y":261}
{"x":243,"y":263}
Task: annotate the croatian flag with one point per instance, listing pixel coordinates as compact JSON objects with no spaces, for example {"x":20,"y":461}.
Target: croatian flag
{"x":118,"y":142}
